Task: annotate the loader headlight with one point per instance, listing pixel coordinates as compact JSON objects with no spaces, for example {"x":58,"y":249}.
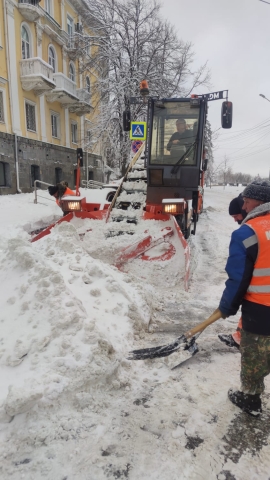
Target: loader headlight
{"x":68,"y":205}
{"x":173,"y":206}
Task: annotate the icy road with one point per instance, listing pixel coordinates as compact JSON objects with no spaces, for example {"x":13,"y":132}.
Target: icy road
{"x":72,"y":407}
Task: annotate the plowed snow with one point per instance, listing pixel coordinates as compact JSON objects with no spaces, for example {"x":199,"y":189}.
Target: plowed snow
{"x":71,"y":406}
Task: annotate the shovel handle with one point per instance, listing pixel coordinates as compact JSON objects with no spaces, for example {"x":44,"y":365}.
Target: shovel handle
{"x":213,"y":318}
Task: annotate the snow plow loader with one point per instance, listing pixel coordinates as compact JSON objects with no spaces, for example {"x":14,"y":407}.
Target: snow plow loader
{"x":157,"y":205}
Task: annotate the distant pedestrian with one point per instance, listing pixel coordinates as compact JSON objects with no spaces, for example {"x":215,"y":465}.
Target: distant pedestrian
{"x":248,"y":268}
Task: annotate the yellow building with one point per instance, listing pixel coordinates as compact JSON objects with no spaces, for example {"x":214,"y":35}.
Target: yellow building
{"x":46,"y":105}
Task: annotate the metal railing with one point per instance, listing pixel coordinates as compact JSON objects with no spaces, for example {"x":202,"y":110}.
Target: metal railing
{"x":52,"y":20}
{"x":35,"y":3}
{"x":91,"y":184}
{"x":64,"y":83}
{"x":83,"y":95}
{"x":35,"y":190}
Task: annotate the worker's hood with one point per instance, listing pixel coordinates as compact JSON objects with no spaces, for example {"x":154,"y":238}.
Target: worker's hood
{"x":257,"y":212}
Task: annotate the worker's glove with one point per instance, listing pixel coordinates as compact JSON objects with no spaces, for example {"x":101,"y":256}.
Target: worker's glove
{"x":222,"y":315}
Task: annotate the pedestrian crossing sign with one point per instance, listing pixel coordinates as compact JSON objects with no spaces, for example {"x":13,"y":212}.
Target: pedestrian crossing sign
{"x":138,"y":131}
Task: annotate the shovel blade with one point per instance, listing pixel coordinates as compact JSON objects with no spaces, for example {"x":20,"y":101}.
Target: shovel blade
{"x":157,"y":352}
{"x":192,"y":349}
{"x":165,"y":350}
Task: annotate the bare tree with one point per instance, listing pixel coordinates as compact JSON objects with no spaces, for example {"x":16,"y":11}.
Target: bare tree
{"x":212,"y":173}
{"x":240,"y":177}
{"x":225,"y":170}
{"x":134,"y":44}
{"x":208,"y":140}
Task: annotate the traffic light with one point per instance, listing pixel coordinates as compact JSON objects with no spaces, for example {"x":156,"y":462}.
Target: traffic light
{"x":126,"y":121}
{"x":80,"y":156}
{"x":226,"y":114}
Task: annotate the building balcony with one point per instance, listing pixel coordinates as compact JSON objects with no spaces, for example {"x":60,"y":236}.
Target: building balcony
{"x":72,"y":49}
{"x":36,"y":75}
{"x":30,"y":9}
{"x":53,"y":29}
{"x":78,"y":45}
{"x":64,"y":91}
{"x":74,"y":46}
{"x":82,"y":106}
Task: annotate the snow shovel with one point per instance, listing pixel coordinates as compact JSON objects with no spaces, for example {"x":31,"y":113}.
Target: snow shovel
{"x":166,"y":350}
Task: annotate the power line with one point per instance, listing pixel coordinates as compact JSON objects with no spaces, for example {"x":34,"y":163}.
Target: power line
{"x":260,"y":137}
{"x":245,"y":155}
{"x":256,"y":132}
{"x":247,"y":131}
{"x":254,"y":126}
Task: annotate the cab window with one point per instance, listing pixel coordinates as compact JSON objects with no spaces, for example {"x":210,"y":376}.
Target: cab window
{"x":174,"y":134}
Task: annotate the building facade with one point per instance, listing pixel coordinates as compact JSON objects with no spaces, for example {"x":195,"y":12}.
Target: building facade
{"x":46,"y":101}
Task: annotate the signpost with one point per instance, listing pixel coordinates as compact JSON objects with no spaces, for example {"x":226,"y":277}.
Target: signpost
{"x":216,"y":95}
{"x":136,"y":145}
{"x":138,"y":131}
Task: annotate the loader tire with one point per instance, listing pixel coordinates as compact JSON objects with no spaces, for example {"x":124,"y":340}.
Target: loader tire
{"x":195,"y":217}
{"x":201,"y":211}
{"x":187,"y":232}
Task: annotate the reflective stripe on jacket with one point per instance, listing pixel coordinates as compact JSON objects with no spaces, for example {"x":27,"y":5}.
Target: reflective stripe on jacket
{"x":259,"y":287}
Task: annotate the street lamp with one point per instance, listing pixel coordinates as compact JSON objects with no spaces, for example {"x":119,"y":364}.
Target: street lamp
{"x":263,"y":96}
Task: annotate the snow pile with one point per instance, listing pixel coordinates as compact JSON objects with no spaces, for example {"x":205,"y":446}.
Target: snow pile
{"x":72,"y":407}
{"x":66,"y":320}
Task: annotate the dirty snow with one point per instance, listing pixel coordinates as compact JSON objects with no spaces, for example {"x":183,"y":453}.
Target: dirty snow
{"x":72,"y":407}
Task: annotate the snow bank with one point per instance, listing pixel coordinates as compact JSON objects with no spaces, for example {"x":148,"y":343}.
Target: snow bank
{"x":66,"y":320}
{"x":72,"y":407}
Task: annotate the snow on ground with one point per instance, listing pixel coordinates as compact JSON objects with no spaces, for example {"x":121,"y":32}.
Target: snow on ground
{"x":72,"y":407}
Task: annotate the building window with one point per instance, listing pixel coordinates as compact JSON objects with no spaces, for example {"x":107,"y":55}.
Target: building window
{"x":52,"y":60}
{"x":88,"y":84}
{"x":58,"y":175}
{"x":48,"y":7}
{"x":88,"y":136}
{"x":3,"y":182}
{"x":35,"y":174}
{"x":55,"y":123}
{"x":70,"y":26}
{"x":5,"y":177}
{"x":72,"y":72}
{"x":25,"y":43}
{"x":74,"y":133}
{"x":2,"y":116}
{"x":30,"y":117}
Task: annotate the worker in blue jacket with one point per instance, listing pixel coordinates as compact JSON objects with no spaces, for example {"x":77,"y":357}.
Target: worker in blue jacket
{"x":248,"y":269}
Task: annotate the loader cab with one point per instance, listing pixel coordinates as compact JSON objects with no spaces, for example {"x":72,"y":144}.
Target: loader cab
{"x":174,"y":147}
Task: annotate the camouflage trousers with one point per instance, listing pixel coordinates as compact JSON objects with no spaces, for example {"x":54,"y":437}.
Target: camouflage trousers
{"x":255,"y":361}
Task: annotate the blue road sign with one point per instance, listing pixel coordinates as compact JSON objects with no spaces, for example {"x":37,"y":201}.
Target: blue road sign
{"x":138,"y":131}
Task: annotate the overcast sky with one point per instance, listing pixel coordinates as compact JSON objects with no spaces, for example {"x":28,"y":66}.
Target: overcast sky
{"x":234,"y":37}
